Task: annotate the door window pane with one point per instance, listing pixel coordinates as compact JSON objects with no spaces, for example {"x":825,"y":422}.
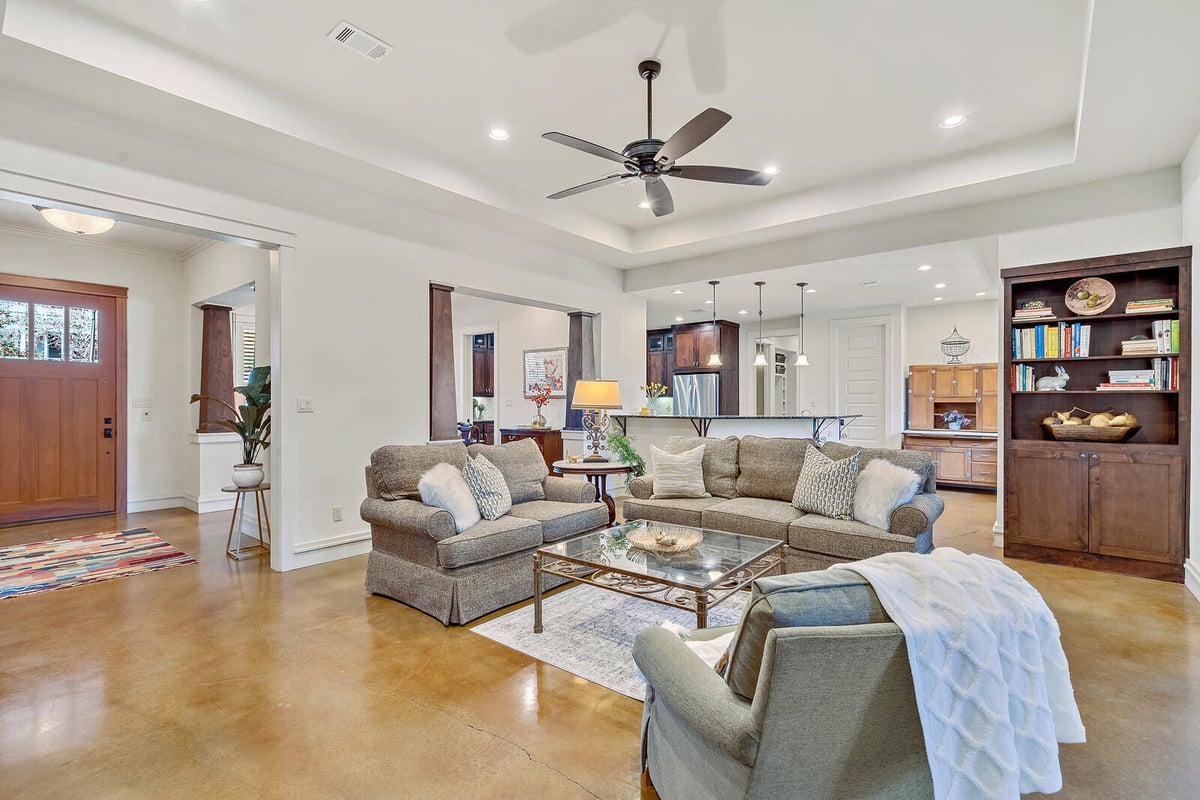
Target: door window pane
{"x":14,"y":329}
{"x":47,"y":332}
{"x":84,"y":336}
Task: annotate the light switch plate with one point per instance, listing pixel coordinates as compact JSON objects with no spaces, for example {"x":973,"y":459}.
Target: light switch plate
{"x":141,"y":402}
{"x":304,"y":405}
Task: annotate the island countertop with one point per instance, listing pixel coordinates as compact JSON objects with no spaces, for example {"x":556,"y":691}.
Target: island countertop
{"x":822,"y":424}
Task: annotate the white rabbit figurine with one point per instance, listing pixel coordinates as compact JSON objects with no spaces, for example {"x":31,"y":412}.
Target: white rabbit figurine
{"x":1055,"y":383}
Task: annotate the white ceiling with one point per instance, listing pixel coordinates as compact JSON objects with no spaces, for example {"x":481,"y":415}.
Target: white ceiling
{"x":23,"y":216}
{"x":845,"y":97}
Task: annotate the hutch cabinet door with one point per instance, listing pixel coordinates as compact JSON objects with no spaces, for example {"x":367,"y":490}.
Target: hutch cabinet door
{"x":966,"y":381}
{"x":943,"y":383}
{"x":989,"y":379}
{"x":987,"y":413}
{"x":920,"y":412}
{"x":952,"y":464}
{"x":1047,"y":499}
{"x":920,"y":380}
{"x":1136,"y":510}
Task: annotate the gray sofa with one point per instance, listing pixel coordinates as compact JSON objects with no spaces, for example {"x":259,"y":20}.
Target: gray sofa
{"x":419,"y":559}
{"x":752,"y":481}
{"x":816,"y":701}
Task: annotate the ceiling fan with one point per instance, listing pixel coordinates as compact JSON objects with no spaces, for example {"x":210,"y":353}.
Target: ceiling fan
{"x":652,"y":160}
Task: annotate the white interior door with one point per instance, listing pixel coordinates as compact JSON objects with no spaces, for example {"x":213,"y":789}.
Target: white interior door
{"x":860,"y":384}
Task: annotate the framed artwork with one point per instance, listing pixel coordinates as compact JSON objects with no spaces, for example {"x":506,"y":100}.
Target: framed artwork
{"x":549,"y":367}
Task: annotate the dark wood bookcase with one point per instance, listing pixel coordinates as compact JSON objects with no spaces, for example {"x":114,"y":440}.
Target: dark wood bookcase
{"x":1120,"y":507}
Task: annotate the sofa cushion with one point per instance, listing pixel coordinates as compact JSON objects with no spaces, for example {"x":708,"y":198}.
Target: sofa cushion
{"x":563,"y":520}
{"x":720,"y":461}
{"x":672,"y":512}
{"x":678,"y":475}
{"x":397,"y":468}
{"x":769,"y":468}
{"x":751,"y":516}
{"x":488,"y":487}
{"x":826,"y":486}
{"x":919,"y":461}
{"x":487,"y":540}
{"x":444,"y":486}
{"x":845,"y":538}
{"x":805,"y":599}
{"x":522,"y":465}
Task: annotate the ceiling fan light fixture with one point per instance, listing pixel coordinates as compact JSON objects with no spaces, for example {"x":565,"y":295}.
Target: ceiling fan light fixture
{"x":74,"y":222}
{"x":644,"y":204}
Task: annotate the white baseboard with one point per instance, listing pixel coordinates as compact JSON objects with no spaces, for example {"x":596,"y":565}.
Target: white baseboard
{"x":155,"y":503}
{"x":213,"y":502}
{"x":1191,"y":577}
{"x":998,"y":534}
{"x":332,"y":548}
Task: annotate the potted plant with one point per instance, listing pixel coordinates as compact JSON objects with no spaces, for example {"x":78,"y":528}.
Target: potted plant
{"x":539,"y":393}
{"x":619,"y":445}
{"x":956,"y":420}
{"x":252,"y":422}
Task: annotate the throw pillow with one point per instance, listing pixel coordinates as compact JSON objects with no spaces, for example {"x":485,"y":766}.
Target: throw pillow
{"x":882,"y":487}
{"x":678,"y":475}
{"x":488,"y":487}
{"x":825,"y":486}
{"x":443,"y":486}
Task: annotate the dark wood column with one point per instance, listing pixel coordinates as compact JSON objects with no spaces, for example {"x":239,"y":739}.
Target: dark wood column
{"x":443,"y":415}
{"x":216,"y":367}
{"x":581,"y":359}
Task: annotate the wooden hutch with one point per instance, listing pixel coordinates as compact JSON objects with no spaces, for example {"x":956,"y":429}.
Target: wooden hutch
{"x":964,"y":457}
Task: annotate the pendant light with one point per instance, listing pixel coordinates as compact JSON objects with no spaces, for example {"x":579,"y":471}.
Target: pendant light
{"x":73,"y":222}
{"x":714,"y":360}
{"x":802,"y":359}
{"x":760,"y":358}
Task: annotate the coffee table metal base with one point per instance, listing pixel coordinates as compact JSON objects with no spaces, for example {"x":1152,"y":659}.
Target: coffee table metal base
{"x":694,"y":600}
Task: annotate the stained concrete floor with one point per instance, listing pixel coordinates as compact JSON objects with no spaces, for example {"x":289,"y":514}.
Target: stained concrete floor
{"x":224,"y":679}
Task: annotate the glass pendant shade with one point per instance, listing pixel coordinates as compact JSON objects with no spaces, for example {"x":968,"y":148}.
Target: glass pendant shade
{"x":760,"y":359}
{"x":714,"y":360}
{"x":802,"y":361}
{"x":72,"y":222}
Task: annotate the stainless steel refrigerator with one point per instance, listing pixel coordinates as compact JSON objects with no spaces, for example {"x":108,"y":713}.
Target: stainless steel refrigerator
{"x":697,"y":395}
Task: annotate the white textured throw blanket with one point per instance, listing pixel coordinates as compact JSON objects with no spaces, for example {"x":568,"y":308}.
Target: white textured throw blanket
{"x":992,"y":685}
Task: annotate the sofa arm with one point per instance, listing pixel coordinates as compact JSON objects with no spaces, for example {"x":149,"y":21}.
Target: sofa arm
{"x":641,"y":488}
{"x":914,"y":518}
{"x":408,"y":516}
{"x":566,"y":490}
{"x":696,"y":694}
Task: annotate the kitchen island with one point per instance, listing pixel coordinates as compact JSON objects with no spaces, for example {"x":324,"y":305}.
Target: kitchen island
{"x":819,"y":427}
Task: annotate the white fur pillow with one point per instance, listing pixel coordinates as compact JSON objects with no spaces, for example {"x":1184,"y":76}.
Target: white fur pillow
{"x":882,"y":487}
{"x":443,"y":486}
{"x":680,"y":475}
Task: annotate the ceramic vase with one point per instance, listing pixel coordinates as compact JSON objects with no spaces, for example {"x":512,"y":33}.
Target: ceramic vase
{"x":247,"y":476}
{"x":954,"y":426}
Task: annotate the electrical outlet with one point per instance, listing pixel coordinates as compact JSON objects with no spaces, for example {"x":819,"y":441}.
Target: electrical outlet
{"x":337,"y":513}
{"x":146,"y":415}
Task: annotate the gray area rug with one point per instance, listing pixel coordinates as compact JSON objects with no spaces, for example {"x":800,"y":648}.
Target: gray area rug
{"x":589,"y":632}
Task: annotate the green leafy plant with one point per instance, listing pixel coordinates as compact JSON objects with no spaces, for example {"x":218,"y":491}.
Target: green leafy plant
{"x":622,"y":447}
{"x":251,"y":421}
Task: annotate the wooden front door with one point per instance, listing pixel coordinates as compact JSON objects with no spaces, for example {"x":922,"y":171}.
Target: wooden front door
{"x":59,"y":408}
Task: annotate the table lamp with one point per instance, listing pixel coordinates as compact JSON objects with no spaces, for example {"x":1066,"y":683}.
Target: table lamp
{"x":595,"y":399}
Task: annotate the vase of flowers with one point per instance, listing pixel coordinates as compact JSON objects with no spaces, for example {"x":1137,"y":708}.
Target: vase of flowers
{"x":539,"y":393}
{"x":956,"y":420}
{"x":653,"y":392}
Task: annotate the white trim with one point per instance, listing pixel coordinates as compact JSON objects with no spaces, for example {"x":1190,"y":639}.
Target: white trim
{"x":222,"y":501}
{"x":283,"y":362}
{"x":62,"y":236}
{"x":893,"y":410}
{"x":198,"y":248}
{"x":333,"y":541}
{"x":155,"y":503}
{"x":213,"y":438}
{"x":1191,"y":577}
{"x":334,"y":553}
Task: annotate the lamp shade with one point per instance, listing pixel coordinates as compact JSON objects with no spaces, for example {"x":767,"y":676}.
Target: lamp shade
{"x":802,"y":360}
{"x":73,"y":222}
{"x":714,"y":360}
{"x":605,"y":395}
{"x":760,"y":360}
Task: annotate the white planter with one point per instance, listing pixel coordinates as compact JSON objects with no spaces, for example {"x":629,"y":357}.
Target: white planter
{"x":247,"y":476}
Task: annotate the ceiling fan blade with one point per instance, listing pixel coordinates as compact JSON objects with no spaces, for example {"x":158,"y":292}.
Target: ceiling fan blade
{"x":661,"y":202}
{"x":747,"y":177}
{"x":585,"y":146}
{"x":693,"y":134}
{"x":584,"y":187}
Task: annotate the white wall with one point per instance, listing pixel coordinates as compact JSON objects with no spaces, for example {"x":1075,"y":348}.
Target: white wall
{"x":1190,"y":176}
{"x":926,"y":326}
{"x":157,"y":349}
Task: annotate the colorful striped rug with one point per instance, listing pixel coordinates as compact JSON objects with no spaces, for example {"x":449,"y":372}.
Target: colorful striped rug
{"x":43,"y":566}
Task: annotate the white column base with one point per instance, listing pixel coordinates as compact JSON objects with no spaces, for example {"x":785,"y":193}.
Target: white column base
{"x":1191,"y":577}
{"x":998,"y":534}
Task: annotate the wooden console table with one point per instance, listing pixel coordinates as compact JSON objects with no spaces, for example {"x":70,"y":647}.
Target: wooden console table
{"x":549,"y":441}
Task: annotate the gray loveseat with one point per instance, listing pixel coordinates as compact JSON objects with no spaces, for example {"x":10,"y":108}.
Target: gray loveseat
{"x":419,"y":559}
{"x":752,"y":481}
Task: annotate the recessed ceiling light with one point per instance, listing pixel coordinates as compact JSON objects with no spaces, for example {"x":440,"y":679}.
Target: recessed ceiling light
{"x":498,"y":135}
{"x":924,"y":268}
{"x":980,"y":294}
{"x":810,"y":291}
{"x":677,"y":291}
{"x":771,"y":169}
{"x":743,"y":311}
{"x":679,"y":319}
{"x":644,"y":204}
{"x":708,"y":302}
{"x":953,"y":121}
{"x":870,"y":284}
{"x":939,"y":286}
{"x":937,"y":299}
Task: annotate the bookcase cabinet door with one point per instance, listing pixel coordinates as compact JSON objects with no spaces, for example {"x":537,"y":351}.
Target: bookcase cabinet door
{"x":1135,"y":508}
{"x":1046,"y":503}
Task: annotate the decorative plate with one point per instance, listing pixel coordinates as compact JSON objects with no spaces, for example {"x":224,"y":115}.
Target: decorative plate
{"x":1090,"y":296}
{"x":665,"y":540}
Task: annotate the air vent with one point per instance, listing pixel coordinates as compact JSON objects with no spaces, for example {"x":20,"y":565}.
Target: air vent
{"x":359,"y":41}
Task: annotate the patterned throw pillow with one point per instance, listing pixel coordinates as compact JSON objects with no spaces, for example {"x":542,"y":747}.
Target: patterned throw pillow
{"x":826,"y":487}
{"x":488,"y":487}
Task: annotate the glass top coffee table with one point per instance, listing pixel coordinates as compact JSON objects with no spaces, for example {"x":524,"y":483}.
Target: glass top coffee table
{"x":696,"y":579}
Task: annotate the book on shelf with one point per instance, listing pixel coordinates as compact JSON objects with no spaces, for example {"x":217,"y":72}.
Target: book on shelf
{"x":1150,"y":306}
{"x":1166,"y":372}
{"x":1165,"y":333}
{"x":1064,"y":340}
{"x":1126,"y":387}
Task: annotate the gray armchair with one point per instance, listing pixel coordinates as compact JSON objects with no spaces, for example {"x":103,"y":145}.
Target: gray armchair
{"x":817,"y":701}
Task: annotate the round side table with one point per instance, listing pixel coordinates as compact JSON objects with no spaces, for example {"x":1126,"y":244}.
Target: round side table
{"x":597,"y":473}
{"x":235,"y":525}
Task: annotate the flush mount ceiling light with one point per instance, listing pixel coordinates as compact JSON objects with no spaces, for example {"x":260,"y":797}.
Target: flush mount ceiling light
{"x":939,"y":286}
{"x":677,"y":291}
{"x":679,"y":319}
{"x":73,"y":222}
{"x":715,"y":359}
{"x":980,"y":294}
{"x":644,"y":204}
{"x":760,"y":358}
{"x":937,"y":299}
{"x":802,"y":359}
{"x":498,"y":135}
{"x":924,"y":268}
{"x":743,"y":312}
{"x":953,"y":121}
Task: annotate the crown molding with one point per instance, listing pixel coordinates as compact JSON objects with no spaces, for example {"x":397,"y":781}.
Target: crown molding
{"x":82,"y":241}
{"x":196,"y":249}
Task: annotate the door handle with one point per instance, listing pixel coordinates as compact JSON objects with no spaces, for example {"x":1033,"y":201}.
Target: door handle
{"x":108,"y":433}
{"x":1083,"y":455}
